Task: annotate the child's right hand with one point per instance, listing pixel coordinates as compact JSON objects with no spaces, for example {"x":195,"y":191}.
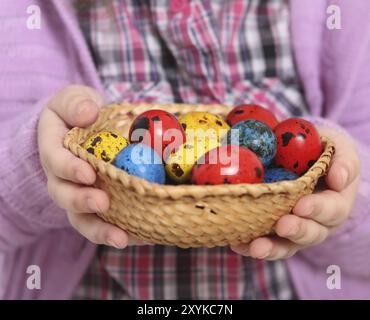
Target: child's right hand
{"x":69,"y":178}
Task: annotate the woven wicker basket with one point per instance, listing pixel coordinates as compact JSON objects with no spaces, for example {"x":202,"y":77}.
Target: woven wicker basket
{"x":189,"y":215}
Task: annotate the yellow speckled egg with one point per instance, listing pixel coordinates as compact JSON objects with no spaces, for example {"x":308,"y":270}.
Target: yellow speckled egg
{"x":180,"y":162}
{"x":195,"y":122}
{"x":105,"y":145}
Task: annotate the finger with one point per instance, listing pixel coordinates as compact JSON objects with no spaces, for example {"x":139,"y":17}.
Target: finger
{"x":77,"y":105}
{"x":345,"y":163}
{"x":342,"y":173}
{"x":97,"y":231}
{"x":328,"y":208}
{"x":304,"y":232}
{"x":65,"y":165}
{"x":55,"y":158}
{"x":75,"y":198}
{"x":272,"y":248}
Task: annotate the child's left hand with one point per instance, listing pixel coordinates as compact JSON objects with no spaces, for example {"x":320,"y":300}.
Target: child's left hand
{"x":315,"y":216}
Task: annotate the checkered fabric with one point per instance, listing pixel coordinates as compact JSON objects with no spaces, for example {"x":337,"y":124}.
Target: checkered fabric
{"x":159,"y":272}
{"x":193,"y":51}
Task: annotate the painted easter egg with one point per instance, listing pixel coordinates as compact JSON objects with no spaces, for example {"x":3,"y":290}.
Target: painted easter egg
{"x":181,"y":161}
{"x":251,"y":112}
{"x":105,"y":145}
{"x":257,"y":137}
{"x":228,"y":164}
{"x":279,"y":174}
{"x":142,"y":161}
{"x":298,"y":145}
{"x":158,"y":129}
{"x":198,"y":124}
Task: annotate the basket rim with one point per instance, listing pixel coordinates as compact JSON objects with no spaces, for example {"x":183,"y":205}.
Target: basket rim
{"x":144,"y":187}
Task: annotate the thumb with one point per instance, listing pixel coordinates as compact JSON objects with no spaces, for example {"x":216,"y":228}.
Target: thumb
{"x":77,"y":105}
{"x":345,"y":164}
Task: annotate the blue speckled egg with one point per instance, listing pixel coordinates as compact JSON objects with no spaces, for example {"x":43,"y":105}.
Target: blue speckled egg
{"x":257,"y":137}
{"x":142,"y":161}
{"x":278,"y":174}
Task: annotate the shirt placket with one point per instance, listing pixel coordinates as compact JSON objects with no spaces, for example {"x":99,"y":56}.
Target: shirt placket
{"x":190,"y":31}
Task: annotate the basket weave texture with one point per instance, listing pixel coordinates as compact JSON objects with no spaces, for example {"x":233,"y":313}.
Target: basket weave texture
{"x":189,"y":215}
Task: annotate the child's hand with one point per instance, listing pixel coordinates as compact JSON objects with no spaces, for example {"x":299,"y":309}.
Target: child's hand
{"x":69,"y":177}
{"x":315,"y":216}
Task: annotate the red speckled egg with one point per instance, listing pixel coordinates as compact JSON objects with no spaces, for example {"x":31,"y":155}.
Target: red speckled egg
{"x":298,"y":145}
{"x":159,"y":129}
{"x":228,"y":164}
{"x":251,"y":112}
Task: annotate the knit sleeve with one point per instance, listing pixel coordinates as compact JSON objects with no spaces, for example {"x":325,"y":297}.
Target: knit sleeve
{"x":26,"y":210}
{"x":349,"y":246}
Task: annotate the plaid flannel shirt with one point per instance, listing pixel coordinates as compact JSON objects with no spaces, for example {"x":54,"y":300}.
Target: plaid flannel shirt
{"x":193,"y":51}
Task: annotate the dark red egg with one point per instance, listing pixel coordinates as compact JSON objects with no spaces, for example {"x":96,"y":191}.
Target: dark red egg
{"x":228,"y":164}
{"x":251,"y":112}
{"x":159,"y":129}
{"x":298,"y":145}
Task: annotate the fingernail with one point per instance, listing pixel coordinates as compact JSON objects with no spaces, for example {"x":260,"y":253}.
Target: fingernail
{"x":92,"y":205}
{"x":264,"y":255}
{"x":114,"y":244}
{"x":139,"y":243}
{"x":344,"y":176}
{"x":240,"y":249}
{"x":246,"y":253}
{"x":82,"y":108}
